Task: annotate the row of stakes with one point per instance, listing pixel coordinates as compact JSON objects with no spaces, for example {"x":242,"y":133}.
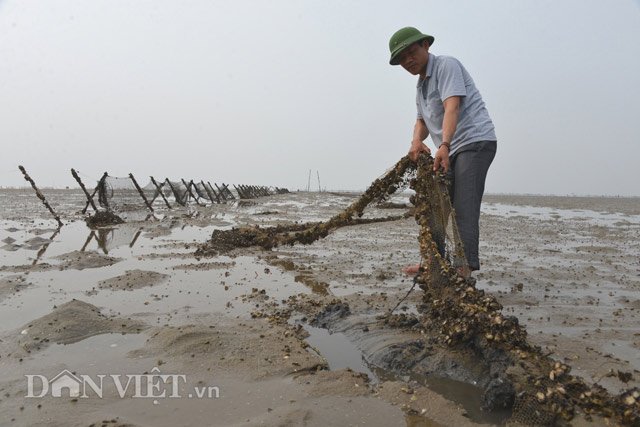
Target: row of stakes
{"x":222,"y":195}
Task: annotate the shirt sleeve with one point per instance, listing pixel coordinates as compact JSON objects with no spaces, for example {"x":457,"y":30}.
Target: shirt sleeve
{"x":450,"y":79}
{"x":419,"y":114}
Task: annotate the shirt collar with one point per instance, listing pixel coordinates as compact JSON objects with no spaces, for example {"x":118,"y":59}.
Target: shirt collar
{"x":431,"y":60}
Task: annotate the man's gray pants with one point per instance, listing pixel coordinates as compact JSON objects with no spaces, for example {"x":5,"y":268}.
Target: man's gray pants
{"x":468,"y":171}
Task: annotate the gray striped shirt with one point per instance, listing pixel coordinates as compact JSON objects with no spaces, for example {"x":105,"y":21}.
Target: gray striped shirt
{"x":447,"y":77}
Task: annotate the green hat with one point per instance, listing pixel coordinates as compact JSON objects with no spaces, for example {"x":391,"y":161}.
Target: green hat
{"x":402,"y":39}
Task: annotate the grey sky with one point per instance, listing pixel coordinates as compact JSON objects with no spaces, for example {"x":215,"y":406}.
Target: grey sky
{"x":262,"y":91}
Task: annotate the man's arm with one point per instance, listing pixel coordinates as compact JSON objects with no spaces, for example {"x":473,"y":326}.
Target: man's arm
{"x":420,"y":133}
{"x":449,"y":123}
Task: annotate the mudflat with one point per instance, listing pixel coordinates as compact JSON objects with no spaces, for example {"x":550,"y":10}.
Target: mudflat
{"x":293,"y":335}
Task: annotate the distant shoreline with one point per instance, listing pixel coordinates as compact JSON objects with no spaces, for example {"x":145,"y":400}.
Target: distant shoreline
{"x":488,"y":194}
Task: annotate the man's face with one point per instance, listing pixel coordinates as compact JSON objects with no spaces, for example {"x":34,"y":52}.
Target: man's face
{"x":414,"y":58}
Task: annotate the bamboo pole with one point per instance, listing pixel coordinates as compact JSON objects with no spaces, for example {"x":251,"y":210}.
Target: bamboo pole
{"x":39,"y":194}
{"x":84,"y":189}
{"x":193,"y":186}
{"x":95,"y":190}
{"x":240,"y":191}
{"x":225,"y":187}
{"x":159,"y":188}
{"x":214,"y":192}
{"x":221,"y":192}
{"x":207,"y":191}
{"x":189,"y":190}
{"x":146,"y":202}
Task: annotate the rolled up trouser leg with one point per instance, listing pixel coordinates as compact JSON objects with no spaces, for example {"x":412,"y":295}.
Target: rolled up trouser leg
{"x":469,"y":171}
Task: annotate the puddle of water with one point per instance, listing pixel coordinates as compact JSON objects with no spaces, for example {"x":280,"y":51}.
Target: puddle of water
{"x":185,"y":291}
{"x":467,"y":395}
{"x":338,"y":351}
{"x":341,"y":353}
{"x":138,"y":245}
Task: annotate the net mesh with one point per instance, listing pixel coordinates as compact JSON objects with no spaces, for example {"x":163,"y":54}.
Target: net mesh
{"x":179,"y":191}
{"x":120,"y":193}
{"x":202,"y":192}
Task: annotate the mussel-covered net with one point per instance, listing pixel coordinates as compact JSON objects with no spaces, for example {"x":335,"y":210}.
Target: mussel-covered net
{"x":538,"y":389}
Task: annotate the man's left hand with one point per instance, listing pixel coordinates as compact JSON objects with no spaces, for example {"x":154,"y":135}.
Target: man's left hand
{"x":441,"y":160}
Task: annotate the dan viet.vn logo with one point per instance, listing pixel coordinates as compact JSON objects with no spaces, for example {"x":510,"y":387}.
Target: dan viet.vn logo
{"x":154,"y":385}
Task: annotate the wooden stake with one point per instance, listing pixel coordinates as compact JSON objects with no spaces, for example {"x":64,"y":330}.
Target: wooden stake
{"x":207,"y":190}
{"x":86,"y":205}
{"x":39,"y":194}
{"x":221,"y":192}
{"x":189,"y":190}
{"x":146,"y":202}
{"x":239,"y":191}
{"x":84,"y":189}
{"x":214,"y":192}
{"x":159,"y":188}
{"x":225,"y":187}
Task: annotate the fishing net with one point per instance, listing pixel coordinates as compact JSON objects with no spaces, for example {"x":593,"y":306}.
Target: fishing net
{"x":121,"y":194}
{"x":225,"y":192}
{"x":204,"y":192}
{"x":395,"y":179}
{"x":538,"y":389}
{"x":180,"y":191}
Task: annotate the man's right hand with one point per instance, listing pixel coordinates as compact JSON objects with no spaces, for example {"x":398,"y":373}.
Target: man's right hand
{"x":417,"y":147}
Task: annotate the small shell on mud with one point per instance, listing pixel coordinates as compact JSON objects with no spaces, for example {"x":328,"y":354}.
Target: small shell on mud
{"x":489,"y":337}
{"x":540,"y":396}
{"x":552,"y":375}
{"x":629,"y":400}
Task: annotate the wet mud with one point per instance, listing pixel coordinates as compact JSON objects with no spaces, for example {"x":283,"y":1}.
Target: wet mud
{"x":69,"y":323}
{"x":454,"y":313}
{"x":241,"y":318}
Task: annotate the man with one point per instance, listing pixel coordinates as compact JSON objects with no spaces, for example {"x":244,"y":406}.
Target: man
{"x":451,"y":110}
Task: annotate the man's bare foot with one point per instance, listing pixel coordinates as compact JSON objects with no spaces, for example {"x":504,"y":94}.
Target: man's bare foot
{"x":411,"y":270}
